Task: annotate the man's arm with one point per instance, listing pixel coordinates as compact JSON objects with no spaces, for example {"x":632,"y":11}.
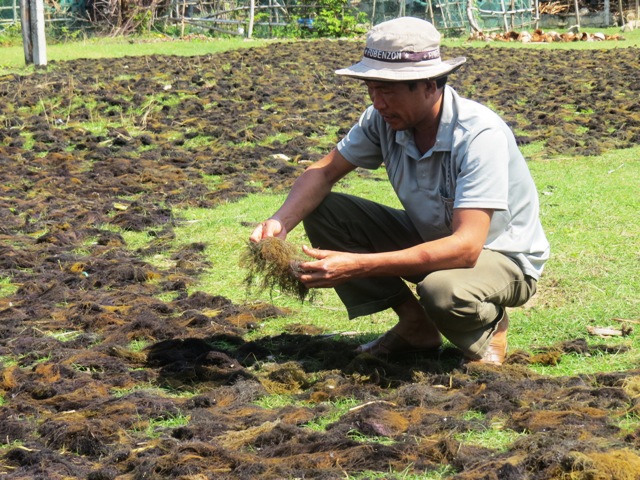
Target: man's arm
{"x":461,"y":249}
{"x":307,"y":193}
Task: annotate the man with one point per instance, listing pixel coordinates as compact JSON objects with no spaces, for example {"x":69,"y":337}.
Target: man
{"x":468,"y":236}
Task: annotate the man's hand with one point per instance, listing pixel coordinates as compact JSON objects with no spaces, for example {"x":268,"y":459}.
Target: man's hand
{"x":330,"y":268}
{"x":269,"y":228}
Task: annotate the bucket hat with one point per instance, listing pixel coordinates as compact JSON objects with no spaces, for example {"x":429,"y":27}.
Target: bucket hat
{"x":402,"y":49}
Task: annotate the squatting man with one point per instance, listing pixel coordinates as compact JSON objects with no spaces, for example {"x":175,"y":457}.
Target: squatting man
{"x":468,"y":234}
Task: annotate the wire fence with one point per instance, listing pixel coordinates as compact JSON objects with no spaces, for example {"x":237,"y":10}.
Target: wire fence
{"x":270,"y":18}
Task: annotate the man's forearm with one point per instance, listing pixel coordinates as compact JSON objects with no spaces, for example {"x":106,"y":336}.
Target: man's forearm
{"x":307,"y":193}
{"x":311,"y":188}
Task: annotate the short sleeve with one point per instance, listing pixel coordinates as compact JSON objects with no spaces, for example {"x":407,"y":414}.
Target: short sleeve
{"x":362,"y":145}
{"x":483,"y":179}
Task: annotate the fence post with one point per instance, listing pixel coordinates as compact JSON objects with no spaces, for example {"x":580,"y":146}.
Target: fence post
{"x":252,"y":13}
{"x":33,"y":37}
{"x":37,"y":33}
{"x":621,"y":9}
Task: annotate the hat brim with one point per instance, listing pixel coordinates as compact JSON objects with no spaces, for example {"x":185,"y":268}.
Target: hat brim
{"x":368,"y":69}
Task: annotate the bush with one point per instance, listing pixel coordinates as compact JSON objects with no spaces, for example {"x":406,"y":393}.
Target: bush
{"x":10,"y":34}
{"x":332,"y":18}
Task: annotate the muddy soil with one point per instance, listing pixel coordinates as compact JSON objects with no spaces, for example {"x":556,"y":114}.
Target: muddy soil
{"x":81,"y":402}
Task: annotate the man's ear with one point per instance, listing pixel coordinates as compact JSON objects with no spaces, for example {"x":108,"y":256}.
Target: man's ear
{"x":430,"y":87}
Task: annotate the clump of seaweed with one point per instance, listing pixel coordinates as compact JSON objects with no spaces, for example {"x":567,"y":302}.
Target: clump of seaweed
{"x":271,"y":263}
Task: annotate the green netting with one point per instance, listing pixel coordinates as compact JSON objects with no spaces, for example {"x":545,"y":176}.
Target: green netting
{"x":455,"y":15}
{"x":503,"y":14}
{"x":10,"y":10}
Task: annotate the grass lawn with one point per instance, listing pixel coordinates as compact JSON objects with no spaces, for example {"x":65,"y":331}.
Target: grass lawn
{"x":589,"y":210}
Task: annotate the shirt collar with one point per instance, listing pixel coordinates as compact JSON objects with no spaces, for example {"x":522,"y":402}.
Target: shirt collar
{"x":444,"y":137}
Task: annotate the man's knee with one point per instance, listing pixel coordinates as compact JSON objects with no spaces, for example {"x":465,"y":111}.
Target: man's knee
{"x":452,"y":306}
{"x":438,"y":295}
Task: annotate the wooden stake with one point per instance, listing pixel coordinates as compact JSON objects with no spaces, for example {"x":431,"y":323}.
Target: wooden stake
{"x":622,"y":19}
{"x":25,"y":19}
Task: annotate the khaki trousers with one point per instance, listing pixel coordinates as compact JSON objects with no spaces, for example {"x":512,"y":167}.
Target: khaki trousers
{"x":465,"y":303}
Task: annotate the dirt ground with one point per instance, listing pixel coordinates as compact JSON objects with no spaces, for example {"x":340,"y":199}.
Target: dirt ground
{"x":81,"y":402}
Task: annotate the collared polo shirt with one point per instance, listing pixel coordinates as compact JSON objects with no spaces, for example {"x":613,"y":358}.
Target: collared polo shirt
{"x":474,"y":163}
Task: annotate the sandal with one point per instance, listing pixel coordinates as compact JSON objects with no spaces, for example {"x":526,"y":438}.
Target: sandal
{"x":393,"y":344}
{"x":497,"y":350}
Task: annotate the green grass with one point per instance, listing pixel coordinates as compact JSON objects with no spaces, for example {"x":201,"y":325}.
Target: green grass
{"x":337,"y":410}
{"x":495,"y":434}
{"x":7,"y":287}
{"x":589,"y":211}
{"x":444,"y":471}
{"x":12,"y":57}
{"x":588,"y":208}
{"x":156,"y":427}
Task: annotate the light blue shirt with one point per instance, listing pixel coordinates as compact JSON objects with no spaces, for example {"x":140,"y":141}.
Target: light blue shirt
{"x":474,"y":163}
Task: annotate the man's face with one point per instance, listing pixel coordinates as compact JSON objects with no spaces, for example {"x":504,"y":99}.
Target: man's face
{"x":401,"y":107}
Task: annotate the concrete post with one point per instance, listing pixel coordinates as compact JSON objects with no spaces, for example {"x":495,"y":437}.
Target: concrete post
{"x":33,"y":37}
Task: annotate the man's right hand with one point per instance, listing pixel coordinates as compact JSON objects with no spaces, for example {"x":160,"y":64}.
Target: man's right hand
{"x":269,"y":228}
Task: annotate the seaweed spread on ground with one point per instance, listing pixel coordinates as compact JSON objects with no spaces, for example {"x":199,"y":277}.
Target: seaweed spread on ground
{"x":82,"y":399}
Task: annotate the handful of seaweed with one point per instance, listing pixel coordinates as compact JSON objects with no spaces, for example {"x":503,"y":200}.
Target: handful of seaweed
{"x":271,"y":263}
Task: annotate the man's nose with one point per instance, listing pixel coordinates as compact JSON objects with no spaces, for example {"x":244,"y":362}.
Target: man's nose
{"x":378,"y":101}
